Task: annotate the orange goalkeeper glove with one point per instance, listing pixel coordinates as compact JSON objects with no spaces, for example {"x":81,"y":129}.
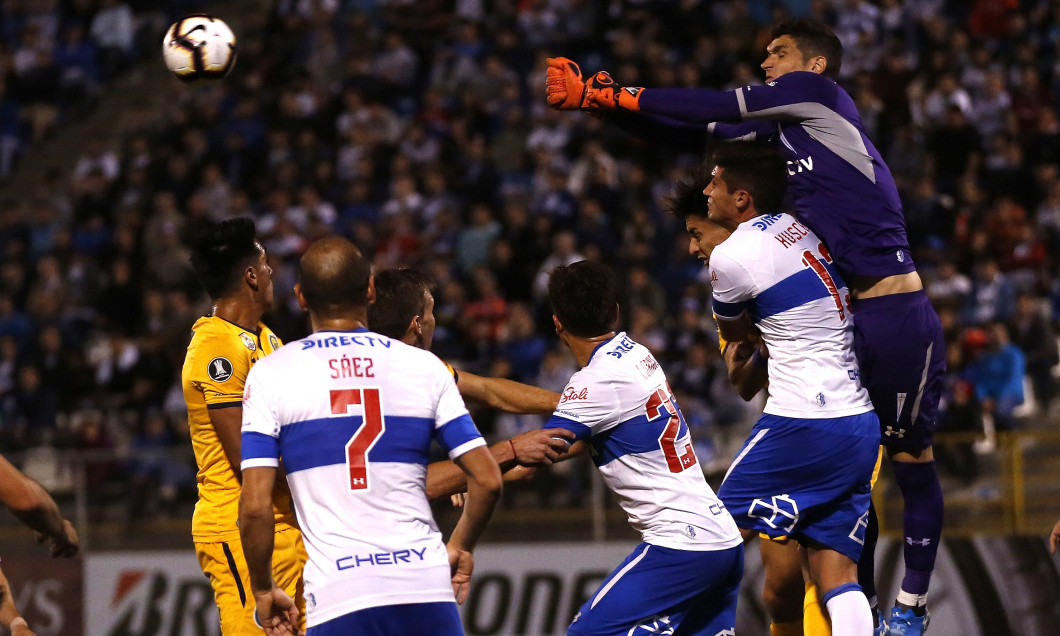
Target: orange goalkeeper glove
{"x":564,"y":88}
{"x":601,"y":92}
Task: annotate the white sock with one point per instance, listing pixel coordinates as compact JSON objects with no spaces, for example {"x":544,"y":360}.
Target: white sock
{"x":908,"y":599}
{"x":849,"y":611}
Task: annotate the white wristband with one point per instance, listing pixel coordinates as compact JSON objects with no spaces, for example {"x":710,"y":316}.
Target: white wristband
{"x":18,"y":622}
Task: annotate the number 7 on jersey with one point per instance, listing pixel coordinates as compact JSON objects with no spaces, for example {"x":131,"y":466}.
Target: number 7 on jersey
{"x":371,"y":429}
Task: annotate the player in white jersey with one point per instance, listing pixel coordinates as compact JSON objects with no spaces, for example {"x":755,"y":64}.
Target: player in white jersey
{"x":806,"y":470}
{"x":684,"y":578}
{"x":352,"y":415}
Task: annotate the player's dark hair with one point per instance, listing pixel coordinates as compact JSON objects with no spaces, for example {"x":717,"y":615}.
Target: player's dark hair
{"x":687,"y":198}
{"x":584,"y":296}
{"x":400,"y":296}
{"x":757,"y":168}
{"x":334,"y":277}
{"x":221,"y":252}
{"x":813,"y":39}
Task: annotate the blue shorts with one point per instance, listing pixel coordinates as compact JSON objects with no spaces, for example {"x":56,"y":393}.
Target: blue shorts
{"x":808,"y":479}
{"x":902,"y":355}
{"x":436,"y":619}
{"x":660,"y":590}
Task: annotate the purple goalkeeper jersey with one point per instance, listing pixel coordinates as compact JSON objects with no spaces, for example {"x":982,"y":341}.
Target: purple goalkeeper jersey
{"x":839,"y":185}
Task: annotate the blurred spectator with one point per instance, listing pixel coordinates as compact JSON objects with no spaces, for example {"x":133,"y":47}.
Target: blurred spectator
{"x":1032,"y":332}
{"x":997,"y":373}
{"x":960,"y":412}
{"x":992,"y":298}
{"x":112,"y":30}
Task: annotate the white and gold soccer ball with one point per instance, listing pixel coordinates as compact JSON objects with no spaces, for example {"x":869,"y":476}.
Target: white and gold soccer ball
{"x":198,"y":47}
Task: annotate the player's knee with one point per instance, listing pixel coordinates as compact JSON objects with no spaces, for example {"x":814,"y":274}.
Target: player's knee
{"x":783,"y":593}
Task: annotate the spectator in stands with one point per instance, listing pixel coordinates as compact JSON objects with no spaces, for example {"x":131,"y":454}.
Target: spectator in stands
{"x":997,"y":374}
{"x":1032,"y":332}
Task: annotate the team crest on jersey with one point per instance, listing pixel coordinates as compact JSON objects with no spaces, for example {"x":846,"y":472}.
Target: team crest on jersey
{"x":274,"y":342}
{"x":247,"y":340}
{"x":220,"y":369}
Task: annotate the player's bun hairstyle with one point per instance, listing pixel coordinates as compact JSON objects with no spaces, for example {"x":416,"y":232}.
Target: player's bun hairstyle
{"x":334,"y":277}
{"x":813,"y":38}
{"x":400,"y":296}
{"x":757,"y":168}
{"x":584,"y":296}
{"x":687,"y":198}
{"x":220,"y":252}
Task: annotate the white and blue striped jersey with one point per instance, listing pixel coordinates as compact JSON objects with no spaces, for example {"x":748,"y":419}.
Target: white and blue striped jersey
{"x":780,"y":272}
{"x":352,"y":416}
{"x":621,"y":403}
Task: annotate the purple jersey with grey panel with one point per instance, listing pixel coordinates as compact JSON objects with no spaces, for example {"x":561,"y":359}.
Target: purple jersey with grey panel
{"x":840,"y":186}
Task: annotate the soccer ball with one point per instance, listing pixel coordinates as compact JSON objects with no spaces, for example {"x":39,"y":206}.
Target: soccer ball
{"x":199,"y":47}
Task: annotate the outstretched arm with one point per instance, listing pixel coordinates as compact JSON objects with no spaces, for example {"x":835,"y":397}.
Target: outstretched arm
{"x":35,"y":508}
{"x":507,"y":395}
{"x":532,"y":448}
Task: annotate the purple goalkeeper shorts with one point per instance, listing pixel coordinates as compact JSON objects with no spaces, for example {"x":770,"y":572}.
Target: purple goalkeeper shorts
{"x":902,"y":355}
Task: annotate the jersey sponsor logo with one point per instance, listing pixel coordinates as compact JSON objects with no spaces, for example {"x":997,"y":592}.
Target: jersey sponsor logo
{"x":411,"y":555}
{"x":345,"y":340}
{"x":925,"y":542}
{"x":248,"y":341}
{"x":800,"y":165}
{"x":765,"y":220}
{"x":274,"y":342}
{"x":655,"y":625}
{"x":220,"y":369}
{"x":781,"y":512}
{"x":632,"y":90}
{"x":624,"y":346}
{"x":572,"y":394}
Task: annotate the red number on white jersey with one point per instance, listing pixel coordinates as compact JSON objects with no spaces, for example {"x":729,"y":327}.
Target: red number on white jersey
{"x":363,"y":440}
{"x":662,"y":403}
{"x":809,"y":260}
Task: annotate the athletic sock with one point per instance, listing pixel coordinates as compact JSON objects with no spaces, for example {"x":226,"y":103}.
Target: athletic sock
{"x":922,"y":522}
{"x":849,"y":611}
{"x":814,"y":621}
{"x":867,"y":562}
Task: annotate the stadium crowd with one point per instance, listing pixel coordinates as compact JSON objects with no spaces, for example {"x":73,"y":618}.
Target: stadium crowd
{"x":420,"y":130}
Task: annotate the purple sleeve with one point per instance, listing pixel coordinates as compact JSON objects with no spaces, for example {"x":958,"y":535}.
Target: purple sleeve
{"x":785,"y":98}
